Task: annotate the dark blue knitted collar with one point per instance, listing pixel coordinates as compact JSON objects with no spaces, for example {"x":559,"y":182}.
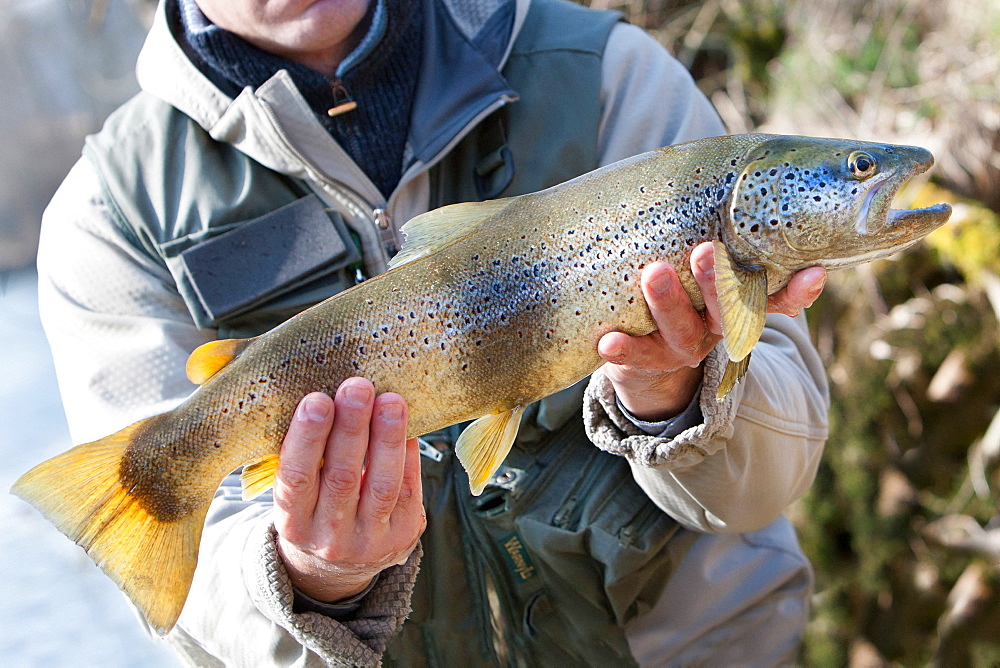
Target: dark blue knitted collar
{"x":380,"y":75}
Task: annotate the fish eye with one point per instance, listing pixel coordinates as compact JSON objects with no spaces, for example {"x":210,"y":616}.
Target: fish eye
{"x":862,"y":165}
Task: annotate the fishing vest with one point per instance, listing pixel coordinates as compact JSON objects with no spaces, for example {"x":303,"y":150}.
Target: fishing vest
{"x":563,"y":548}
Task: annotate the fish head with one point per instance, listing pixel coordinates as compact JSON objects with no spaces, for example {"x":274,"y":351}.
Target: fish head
{"x":802,"y":201}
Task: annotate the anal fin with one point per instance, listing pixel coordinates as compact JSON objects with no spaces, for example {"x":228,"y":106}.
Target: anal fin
{"x":483,"y":445}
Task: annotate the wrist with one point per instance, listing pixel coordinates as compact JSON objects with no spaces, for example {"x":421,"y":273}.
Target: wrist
{"x":656,"y":397}
{"x":322,"y":580}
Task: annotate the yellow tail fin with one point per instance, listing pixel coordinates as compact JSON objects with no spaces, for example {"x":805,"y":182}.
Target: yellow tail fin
{"x":152,"y":561}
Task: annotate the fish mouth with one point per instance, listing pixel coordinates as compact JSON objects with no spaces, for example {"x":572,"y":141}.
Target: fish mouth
{"x":903,"y":228}
{"x":927,"y":218}
{"x":861,"y":224}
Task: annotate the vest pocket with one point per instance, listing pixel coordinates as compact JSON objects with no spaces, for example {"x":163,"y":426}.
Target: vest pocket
{"x":253,"y":274}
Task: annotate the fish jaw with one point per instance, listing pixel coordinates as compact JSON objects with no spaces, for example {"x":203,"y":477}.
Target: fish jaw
{"x":903,"y":228}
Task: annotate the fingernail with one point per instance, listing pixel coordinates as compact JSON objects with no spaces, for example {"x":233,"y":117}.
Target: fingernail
{"x":357,"y":396}
{"x":661,"y":284}
{"x":705,"y":264}
{"x":315,"y":409}
{"x":816,"y":290}
{"x":391,"y":412}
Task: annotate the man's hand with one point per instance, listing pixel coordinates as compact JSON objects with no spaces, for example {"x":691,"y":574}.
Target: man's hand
{"x":347,"y":494}
{"x":655,"y":376}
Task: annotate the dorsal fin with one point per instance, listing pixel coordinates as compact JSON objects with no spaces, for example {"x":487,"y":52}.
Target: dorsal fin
{"x":432,"y":231}
{"x":207,"y":359}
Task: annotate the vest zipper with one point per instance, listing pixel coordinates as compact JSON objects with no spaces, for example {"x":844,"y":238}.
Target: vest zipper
{"x":386,"y":231}
{"x":354,"y":200}
{"x":630,"y":533}
{"x":568,"y":515}
{"x":485,"y":568}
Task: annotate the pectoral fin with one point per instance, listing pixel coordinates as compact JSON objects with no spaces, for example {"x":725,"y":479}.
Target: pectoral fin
{"x":733,"y":374}
{"x":743,"y":307}
{"x":483,"y":445}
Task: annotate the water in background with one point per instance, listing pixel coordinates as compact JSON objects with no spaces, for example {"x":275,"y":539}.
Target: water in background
{"x":58,"y":608}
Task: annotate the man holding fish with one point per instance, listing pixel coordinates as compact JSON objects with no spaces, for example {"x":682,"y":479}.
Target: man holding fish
{"x":314,"y":129}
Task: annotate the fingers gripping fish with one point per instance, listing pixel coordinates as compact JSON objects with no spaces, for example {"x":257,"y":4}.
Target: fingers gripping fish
{"x":494,"y":305}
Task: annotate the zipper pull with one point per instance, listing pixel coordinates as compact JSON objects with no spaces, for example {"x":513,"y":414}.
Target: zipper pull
{"x":429,"y":451}
{"x":382,"y":219}
{"x":386,"y":232}
{"x":342,"y":101}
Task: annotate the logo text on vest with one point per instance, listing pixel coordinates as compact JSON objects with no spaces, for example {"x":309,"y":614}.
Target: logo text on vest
{"x":517,"y":557}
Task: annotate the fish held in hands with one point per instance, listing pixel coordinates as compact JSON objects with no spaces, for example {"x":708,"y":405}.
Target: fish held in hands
{"x":489,"y":307}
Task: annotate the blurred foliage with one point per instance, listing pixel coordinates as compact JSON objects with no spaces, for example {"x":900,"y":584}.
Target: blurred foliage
{"x":902,"y":523}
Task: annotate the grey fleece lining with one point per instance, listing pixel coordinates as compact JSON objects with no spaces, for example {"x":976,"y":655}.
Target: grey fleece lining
{"x":361,"y":640}
{"x":612,"y":431}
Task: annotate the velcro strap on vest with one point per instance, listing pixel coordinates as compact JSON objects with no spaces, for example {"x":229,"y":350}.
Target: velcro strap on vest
{"x":261,"y":259}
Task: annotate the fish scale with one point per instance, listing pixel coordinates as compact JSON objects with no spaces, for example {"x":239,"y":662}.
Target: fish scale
{"x":488,"y":307}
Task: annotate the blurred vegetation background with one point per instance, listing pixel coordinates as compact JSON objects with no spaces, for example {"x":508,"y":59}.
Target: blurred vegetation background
{"x":902,"y":523}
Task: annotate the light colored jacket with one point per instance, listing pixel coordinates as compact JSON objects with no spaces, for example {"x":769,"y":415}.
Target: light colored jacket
{"x":121,"y":334}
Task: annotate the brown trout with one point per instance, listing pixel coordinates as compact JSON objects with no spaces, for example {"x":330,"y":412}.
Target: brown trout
{"x":489,"y":307}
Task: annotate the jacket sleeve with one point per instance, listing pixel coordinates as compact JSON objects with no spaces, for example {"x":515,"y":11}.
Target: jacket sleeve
{"x":120,"y":336}
{"x":757,"y":451}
